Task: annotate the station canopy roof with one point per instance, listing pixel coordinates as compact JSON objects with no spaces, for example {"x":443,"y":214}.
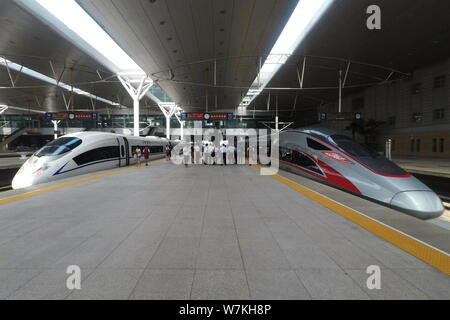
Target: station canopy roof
{"x":205,"y":54}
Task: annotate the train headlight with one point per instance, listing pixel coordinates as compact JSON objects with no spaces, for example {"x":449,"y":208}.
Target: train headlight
{"x":337,"y":157}
{"x":41,"y":170}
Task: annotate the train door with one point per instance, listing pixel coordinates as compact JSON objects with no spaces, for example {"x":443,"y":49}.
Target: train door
{"x":127,"y":151}
{"x":121,"y":151}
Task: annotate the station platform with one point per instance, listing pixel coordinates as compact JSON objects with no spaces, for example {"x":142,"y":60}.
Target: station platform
{"x":426,"y":166}
{"x":211,"y":232}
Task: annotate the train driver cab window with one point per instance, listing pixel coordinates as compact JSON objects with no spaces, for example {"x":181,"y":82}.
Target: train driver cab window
{"x":367,"y":156}
{"x":59,"y":146}
{"x":353,"y":147}
{"x":285,"y":154}
{"x":313,"y":144}
{"x":303,"y":161}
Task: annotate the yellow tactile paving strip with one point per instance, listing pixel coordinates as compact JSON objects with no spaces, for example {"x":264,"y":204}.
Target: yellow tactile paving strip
{"x":419,"y":249}
{"x":67,"y":184}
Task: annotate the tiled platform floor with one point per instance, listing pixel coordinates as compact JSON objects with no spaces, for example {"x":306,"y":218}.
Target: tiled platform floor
{"x":169,"y":232}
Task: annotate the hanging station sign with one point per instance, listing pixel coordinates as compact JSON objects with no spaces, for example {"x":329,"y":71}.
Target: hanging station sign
{"x":207,"y":116}
{"x":71,"y":115}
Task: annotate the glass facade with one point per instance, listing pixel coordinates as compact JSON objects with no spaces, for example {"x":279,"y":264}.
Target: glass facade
{"x":118,"y":121}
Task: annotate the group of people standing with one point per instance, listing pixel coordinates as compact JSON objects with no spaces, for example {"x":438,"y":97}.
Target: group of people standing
{"x":211,"y":154}
{"x":208,"y":154}
{"x":137,"y":154}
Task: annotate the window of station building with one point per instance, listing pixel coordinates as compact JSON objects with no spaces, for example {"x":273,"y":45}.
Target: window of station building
{"x":313,"y":144}
{"x":416,"y":88}
{"x":417,"y":145}
{"x":358,"y":103}
{"x":438,"y":114}
{"x":392,"y":120}
{"x":434,"y":145}
{"x":441,"y":145}
{"x":416,"y":117}
{"x":412,"y":145}
{"x":303,"y":161}
{"x":392,"y":145}
{"x":98,"y":154}
{"x":439,"y":82}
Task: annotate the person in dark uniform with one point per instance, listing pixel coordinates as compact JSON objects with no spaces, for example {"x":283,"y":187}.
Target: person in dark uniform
{"x":146,"y":154}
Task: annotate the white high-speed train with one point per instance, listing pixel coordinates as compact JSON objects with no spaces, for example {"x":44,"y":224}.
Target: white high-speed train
{"x":84,"y":152}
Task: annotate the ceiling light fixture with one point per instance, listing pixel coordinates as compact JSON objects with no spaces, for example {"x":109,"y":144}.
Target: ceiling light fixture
{"x":69,"y":19}
{"x":303,"y":18}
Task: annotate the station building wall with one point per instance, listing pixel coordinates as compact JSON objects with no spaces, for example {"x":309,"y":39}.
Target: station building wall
{"x":414,"y":109}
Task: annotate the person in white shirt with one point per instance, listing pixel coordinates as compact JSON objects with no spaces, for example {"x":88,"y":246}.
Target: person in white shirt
{"x":197,"y":154}
{"x":207,"y":154}
{"x":187,"y":154}
{"x":240,"y":155}
{"x":216,"y":158}
{"x":230,"y":154}
{"x":137,"y":156}
{"x":223,"y":151}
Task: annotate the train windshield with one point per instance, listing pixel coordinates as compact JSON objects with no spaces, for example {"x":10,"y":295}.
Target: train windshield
{"x":367,"y":156}
{"x":59,"y":146}
{"x":353,"y":147}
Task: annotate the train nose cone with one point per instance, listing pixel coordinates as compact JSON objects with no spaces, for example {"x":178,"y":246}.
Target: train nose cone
{"x":21,"y":181}
{"x":421,"y":204}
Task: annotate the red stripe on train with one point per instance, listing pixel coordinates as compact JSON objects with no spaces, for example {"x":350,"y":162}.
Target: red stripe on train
{"x":331,"y":176}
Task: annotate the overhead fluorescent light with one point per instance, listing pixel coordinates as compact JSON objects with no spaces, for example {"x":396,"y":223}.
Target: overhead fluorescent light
{"x":4,"y":107}
{"x":72,"y":21}
{"x":42,"y":77}
{"x":67,"y":17}
{"x":303,"y":18}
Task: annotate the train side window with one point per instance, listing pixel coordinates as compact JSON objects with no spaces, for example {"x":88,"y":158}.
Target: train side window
{"x":122,"y":151}
{"x":313,"y":144}
{"x":303,"y":161}
{"x":156,"y":149}
{"x":97,"y":155}
{"x":285,"y":154}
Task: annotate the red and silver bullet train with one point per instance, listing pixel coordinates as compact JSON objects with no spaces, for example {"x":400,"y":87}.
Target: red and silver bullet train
{"x":84,"y":152}
{"x":337,"y":160}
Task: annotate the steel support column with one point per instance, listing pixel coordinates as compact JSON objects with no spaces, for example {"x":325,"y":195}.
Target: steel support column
{"x":136,"y":94}
{"x":168,"y":109}
{"x":177,"y":115}
{"x":340,"y":91}
{"x":55,"y":128}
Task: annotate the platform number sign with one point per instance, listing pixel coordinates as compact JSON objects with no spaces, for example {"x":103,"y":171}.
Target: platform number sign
{"x":198,"y":116}
{"x":70,"y":116}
